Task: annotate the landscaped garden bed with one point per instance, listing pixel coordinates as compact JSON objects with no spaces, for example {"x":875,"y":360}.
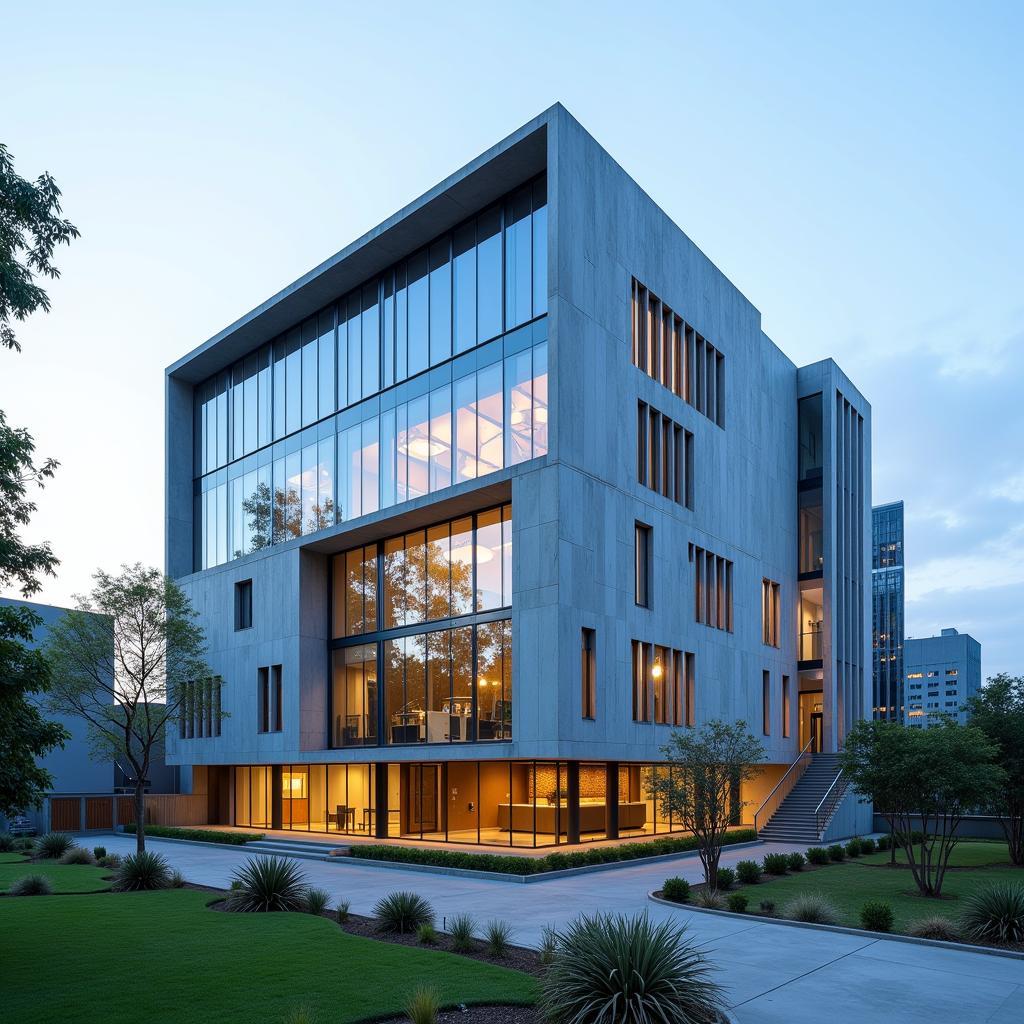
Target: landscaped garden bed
{"x":197,"y":835}
{"x":853,"y":889}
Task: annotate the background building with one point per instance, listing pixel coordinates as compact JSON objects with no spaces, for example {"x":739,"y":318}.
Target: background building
{"x":480,"y":509}
{"x":887,"y":577}
{"x":943,"y":673}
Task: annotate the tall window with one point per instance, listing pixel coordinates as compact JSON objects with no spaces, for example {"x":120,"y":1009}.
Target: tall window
{"x":657,"y":683}
{"x":243,"y":605}
{"x":588,"y":672}
{"x":664,"y":455}
{"x":642,"y":560}
{"x":712,"y":588}
{"x":691,"y":689}
{"x":270,"y":697}
{"x":770,"y":612}
{"x":766,"y":702}
{"x":199,"y":714}
{"x":786,"y":707}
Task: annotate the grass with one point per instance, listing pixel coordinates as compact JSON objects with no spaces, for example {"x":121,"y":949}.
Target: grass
{"x":167,"y":957}
{"x":849,"y":885}
{"x":65,"y":878}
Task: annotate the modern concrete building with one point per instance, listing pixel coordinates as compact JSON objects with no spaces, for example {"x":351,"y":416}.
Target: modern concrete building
{"x":943,"y":673}
{"x":887,"y":616}
{"x":483,"y":507}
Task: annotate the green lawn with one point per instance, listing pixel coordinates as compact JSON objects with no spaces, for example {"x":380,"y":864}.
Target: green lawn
{"x":850,"y":884}
{"x":65,"y":878}
{"x":122,"y":958}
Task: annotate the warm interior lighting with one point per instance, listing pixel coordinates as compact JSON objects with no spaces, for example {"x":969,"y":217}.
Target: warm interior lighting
{"x":464,"y":552}
{"x":657,"y":671}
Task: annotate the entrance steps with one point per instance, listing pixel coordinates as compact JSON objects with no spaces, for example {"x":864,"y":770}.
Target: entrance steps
{"x":297,"y":848}
{"x":794,"y":821}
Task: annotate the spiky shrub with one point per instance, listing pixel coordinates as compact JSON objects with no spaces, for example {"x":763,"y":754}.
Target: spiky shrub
{"x":882,"y":843}
{"x":837,"y":853}
{"x":818,"y":855}
{"x":498,"y":936}
{"x":795,"y":861}
{"x":725,"y":879}
{"x":737,"y":903}
{"x":677,"y":890}
{"x":876,"y":916}
{"x":935,"y":927}
{"x":142,"y":871}
{"x":709,"y":899}
{"x":30,"y":885}
{"x":317,"y":901}
{"x":867,"y":846}
{"x":462,"y":929}
{"x":994,"y":914}
{"x":548,"y":948}
{"x":776,"y":864}
{"x":402,"y":912}
{"x":99,"y":852}
{"x":177,"y":879}
{"x":426,"y":935}
{"x":341,"y":911}
{"x":812,"y":908}
{"x":77,"y":855}
{"x":6,"y":842}
{"x":52,"y":846}
{"x":423,"y":1006}
{"x":268,"y":884}
{"x":853,"y":848}
{"x":618,"y":968}
{"x":748,"y":872}
{"x":301,"y":1015}
{"x":767,"y":908}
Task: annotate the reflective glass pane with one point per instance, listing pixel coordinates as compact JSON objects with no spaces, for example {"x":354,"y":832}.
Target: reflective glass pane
{"x":440,"y":438}
{"x":325,"y":370}
{"x":489,"y":276}
{"x":540,"y":247}
{"x":462,"y":566}
{"x":440,"y":302}
{"x":310,"y":358}
{"x":394,"y":582}
{"x":464,"y":287}
{"x":371,"y":340}
{"x":518,"y":268}
{"x":488,"y":560}
{"x":438,"y":572}
{"x":460,"y":726}
{"x":293,"y":494}
{"x":324,"y":512}
{"x":370,"y":487}
{"x":439,"y":687}
{"x":506,"y":556}
{"x":310,"y":521}
{"x":540,"y":400}
{"x":417,"y":447}
{"x":415,"y":577}
{"x":465,"y":428}
{"x":518,"y":407}
{"x":490,"y":416}
{"x":388,"y":441}
{"x":293,"y":382}
{"x":355,"y":349}
{"x":419,"y":303}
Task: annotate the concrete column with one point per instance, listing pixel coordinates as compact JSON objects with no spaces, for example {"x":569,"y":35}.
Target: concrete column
{"x":275,"y":796}
{"x":611,"y":799}
{"x":572,"y":772}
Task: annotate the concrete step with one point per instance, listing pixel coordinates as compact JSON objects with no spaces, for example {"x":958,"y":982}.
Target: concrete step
{"x":298,"y":850}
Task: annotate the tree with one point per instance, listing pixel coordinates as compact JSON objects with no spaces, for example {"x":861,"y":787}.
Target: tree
{"x":923,"y":781}
{"x":130,"y":669}
{"x":708,"y":763}
{"x":998,"y":711}
{"x":30,"y":229}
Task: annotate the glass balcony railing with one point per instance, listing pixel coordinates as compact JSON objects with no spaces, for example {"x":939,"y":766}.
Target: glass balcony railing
{"x":810,"y":646}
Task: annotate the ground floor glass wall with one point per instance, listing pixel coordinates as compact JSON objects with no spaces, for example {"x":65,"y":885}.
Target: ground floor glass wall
{"x":493,"y":803}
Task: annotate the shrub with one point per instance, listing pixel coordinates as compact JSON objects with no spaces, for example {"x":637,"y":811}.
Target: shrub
{"x":317,"y":901}
{"x":853,"y":848}
{"x":795,"y":861}
{"x":111,"y":861}
{"x":24,"y":844}
{"x":876,"y":916}
{"x":748,"y":872}
{"x":817,"y":855}
{"x":177,"y":879}
{"x":235,"y":885}
{"x":426,"y":935}
{"x":776,"y":863}
{"x":200,"y":835}
{"x":935,"y":927}
{"x":341,"y":911}
{"x":768,"y":907}
{"x":548,"y":946}
{"x":676,"y":890}
{"x":725,"y":878}
{"x":99,"y":852}
{"x":77,"y":855}
{"x":266,"y":885}
{"x":30,"y":885}
{"x":882,"y":843}
{"x":812,"y":908}
{"x":6,"y":842}
{"x":867,"y":846}
{"x":498,"y":936}
{"x":737,"y":903}
{"x":423,"y":1006}
{"x":837,"y":853}
{"x":142,"y":871}
{"x":709,"y":899}
{"x":462,"y":929}
{"x":669,"y":980}
{"x":52,"y":846}
{"x":995,"y":914}
{"x":402,"y":912}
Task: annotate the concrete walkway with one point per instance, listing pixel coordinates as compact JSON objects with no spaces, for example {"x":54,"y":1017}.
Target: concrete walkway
{"x":771,"y":973}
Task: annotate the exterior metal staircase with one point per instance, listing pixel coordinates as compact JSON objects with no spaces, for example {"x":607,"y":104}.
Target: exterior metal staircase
{"x":801,"y":813}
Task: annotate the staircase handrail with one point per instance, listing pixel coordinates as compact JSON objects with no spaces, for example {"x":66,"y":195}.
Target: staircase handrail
{"x":826,"y":808}
{"x":803,"y":759}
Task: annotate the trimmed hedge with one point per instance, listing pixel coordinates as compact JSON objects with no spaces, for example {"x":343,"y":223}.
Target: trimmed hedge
{"x":203,"y":835}
{"x":510,"y":865}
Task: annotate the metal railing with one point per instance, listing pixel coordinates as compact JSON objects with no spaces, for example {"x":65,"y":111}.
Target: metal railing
{"x":782,"y":788}
{"x":830,"y":801}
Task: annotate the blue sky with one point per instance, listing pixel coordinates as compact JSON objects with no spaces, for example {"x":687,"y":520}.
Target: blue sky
{"x":855,"y":169}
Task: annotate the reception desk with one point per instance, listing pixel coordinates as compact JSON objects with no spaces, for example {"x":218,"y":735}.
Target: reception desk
{"x":592,"y":817}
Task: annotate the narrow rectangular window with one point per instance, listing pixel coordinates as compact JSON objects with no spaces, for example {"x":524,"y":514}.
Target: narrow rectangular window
{"x":785,"y":707}
{"x":720,"y":383}
{"x":641,"y":656}
{"x":698,"y":585}
{"x":641,"y":443}
{"x":218,"y":684}
{"x":689,"y":470}
{"x":691,"y":689}
{"x":587,"y":672}
{"x":263,"y":676}
{"x":642,"y":565}
{"x":766,"y":703}
{"x":728,"y":595}
{"x":677,"y":691}
{"x":243,"y":605}
{"x":275,"y":672}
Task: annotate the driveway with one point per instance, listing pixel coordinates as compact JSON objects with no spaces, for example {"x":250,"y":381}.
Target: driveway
{"x":771,"y":972}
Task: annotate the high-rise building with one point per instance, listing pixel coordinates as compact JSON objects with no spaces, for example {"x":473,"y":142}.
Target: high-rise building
{"x":943,"y":673}
{"x":482,"y":508}
{"x":887,"y":578}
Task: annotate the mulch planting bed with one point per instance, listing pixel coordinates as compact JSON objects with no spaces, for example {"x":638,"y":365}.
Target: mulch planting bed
{"x":483,"y":1015}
